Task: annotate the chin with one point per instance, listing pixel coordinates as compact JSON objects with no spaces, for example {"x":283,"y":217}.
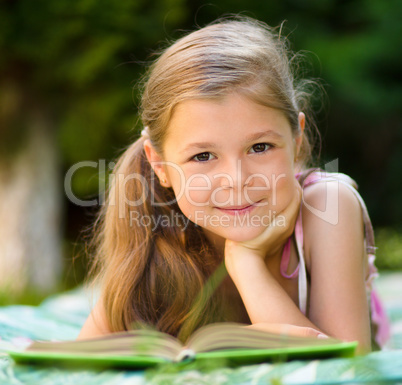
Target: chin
{"x":242,"y":234}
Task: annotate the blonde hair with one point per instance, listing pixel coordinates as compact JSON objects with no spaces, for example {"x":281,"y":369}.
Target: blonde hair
{"x":242,"y":55}
{"x":156,"y":276}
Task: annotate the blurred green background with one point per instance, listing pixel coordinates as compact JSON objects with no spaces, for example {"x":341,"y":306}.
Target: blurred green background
{"x":68,"y":71}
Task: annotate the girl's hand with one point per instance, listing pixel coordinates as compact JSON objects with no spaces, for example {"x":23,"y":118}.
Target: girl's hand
{"x":272,"y":239}
{"x":287,"y":329}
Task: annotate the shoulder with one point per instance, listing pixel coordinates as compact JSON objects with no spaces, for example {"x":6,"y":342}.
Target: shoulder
{"x":323,"y":200}
{"x":96,"y":324}
{"x":332,"y":217}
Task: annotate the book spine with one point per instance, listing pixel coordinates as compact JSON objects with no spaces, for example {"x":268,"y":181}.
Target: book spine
{"x":185,"y":355}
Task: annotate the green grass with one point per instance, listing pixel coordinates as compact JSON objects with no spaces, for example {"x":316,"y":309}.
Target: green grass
{"x":29,"y":296}
{"x":389,"y":252}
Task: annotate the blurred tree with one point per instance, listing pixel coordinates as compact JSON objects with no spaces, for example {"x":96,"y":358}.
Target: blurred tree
{"x":62,"y":102}
{"x":66,"y":72}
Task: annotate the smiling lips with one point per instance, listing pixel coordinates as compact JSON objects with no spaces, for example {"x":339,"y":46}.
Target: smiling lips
{"x":238,"y":209}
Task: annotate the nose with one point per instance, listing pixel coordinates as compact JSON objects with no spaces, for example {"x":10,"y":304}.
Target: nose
{"x":235,"y":175}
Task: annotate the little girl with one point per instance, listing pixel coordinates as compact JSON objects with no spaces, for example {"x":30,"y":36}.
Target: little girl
{"x":213,"y":215}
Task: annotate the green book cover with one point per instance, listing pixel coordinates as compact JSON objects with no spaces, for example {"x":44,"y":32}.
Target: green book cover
{"x":142,"y":348}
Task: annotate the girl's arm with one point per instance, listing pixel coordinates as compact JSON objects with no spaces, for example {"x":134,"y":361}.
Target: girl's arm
{"x":265,"y":300}
{"x":338,"y":265}
{"x":338,"y":304}
{"x":96,"y":324}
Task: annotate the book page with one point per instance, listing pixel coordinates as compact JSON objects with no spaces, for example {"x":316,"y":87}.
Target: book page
{"x":142,"y":342}
{"x":237,"y":336}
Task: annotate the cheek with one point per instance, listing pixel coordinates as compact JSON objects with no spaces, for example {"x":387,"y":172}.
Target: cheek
{"x":192,"y":187}
{"x":283,"y":191}
{"x":192,"y":193}
{"x":198,"y":189}
{"x":282,"y":184}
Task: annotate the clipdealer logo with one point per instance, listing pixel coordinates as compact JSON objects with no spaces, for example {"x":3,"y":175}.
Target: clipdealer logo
{"x":329,"y":214}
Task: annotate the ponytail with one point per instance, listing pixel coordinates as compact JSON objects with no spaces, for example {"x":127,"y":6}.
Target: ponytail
{"x":151,"y":272}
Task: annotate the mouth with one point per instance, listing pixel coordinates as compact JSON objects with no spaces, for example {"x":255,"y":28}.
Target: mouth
{"x":239,"y":209}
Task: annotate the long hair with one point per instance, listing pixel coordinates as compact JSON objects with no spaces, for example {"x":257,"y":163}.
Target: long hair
{"x":150,"y":272}
{"x":157,"y":274}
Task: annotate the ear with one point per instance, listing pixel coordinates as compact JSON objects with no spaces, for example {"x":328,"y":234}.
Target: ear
{"x":299,"y":139}
{"x":157,"y":163}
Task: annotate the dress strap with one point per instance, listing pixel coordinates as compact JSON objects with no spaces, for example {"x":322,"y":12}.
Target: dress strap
{"x":302,"y":266}
{"x":285,"y":261}
{"x":300,"y":270}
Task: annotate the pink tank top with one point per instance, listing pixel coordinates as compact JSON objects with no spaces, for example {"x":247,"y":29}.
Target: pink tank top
{"x":379,"y":320}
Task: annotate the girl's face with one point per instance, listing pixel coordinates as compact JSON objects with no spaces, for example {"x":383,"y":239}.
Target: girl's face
{"x":230,"y":164}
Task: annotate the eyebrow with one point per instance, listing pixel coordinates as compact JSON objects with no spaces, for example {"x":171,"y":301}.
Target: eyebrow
{"x":250,"y":138}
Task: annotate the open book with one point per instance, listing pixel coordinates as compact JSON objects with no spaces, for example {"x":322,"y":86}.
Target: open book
{"x":141,"y":348}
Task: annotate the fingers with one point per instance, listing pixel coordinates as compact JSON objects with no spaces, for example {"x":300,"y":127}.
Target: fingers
{"x":294,"y":205}
{"x":287,"y":218}
{"x":305,"y":332}
{"x":278,"y":231}
{"x":299,"y":331}
{"x":287,"y":329}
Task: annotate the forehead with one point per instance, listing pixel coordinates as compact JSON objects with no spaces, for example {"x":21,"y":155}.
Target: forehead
{"x":234,"y":115}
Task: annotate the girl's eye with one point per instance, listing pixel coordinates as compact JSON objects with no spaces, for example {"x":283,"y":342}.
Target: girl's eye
{"x":261,"y":147}
{"x":256,"y":148}
{"x":204,"y":156}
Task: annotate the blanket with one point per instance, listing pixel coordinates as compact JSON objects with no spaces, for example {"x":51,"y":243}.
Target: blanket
{"x":60,"y":317}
